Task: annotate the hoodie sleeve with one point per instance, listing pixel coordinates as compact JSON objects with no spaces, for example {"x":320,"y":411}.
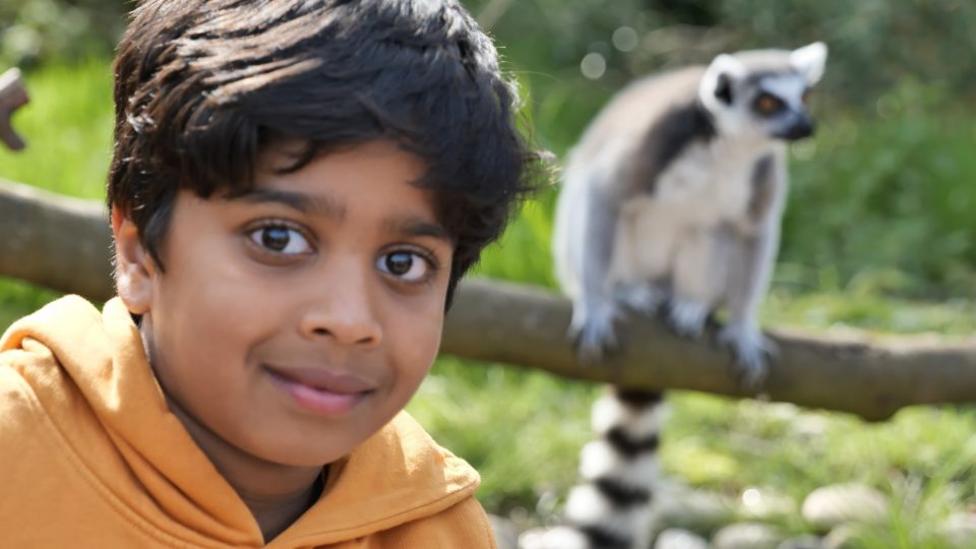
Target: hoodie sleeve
{"x":463,"y":525}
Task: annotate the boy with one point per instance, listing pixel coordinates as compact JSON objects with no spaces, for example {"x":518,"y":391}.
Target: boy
{"x":296,"y":188}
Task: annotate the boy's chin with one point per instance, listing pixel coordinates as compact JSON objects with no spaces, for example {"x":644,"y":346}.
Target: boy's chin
{"x":297,"y":447}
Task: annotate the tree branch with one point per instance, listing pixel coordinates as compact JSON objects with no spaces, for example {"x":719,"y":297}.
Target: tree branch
{"x":63,"y":243}
{"x":870,"y":377}
{"x":55,"y":241}
{"x":13,"y":95}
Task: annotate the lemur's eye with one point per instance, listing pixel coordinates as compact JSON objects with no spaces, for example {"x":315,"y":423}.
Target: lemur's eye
{"x":768,"y":104}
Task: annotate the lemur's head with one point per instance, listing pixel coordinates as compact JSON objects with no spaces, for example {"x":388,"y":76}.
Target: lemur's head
{"x":763,"y":93}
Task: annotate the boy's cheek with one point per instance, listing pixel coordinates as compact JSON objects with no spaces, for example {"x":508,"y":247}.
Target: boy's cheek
{"x":417,"y":349}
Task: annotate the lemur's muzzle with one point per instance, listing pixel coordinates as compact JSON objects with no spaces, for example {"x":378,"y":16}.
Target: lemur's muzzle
{"x":802,"y":126}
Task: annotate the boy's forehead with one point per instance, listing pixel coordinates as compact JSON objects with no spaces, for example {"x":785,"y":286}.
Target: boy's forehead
{"x":293,"y":154}
{"x":330,"y":183}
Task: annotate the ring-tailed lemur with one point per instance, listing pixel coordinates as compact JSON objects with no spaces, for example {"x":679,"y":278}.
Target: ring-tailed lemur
{"x":673,"y":199}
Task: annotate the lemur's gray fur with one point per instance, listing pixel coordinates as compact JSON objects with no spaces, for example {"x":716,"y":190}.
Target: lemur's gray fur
{"x":674,"y":196}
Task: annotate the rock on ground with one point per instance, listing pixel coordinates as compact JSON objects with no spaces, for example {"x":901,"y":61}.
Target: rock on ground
{"x":676,"y":538}
{"x":747,"y":535}
{"x":830,"y":506}
{"x":842,"y":537}
{"x":960,"y":529}
{"x":762,"y":504}
{"x":802,"y":542}
{"x":506,"y":533}
{"x":679,"y":506}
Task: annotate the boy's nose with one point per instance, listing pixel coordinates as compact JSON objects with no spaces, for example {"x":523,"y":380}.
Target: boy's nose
{"x":343,"y":309}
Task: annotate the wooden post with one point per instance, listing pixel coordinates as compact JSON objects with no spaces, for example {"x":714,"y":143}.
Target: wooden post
{"x":13,"y":95}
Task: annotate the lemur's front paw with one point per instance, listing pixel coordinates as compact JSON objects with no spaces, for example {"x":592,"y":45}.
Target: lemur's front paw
{"x":687,"y":317}
{"x":593,"y":333}
{"x":641,"y":298}
{"x":752,"y":352}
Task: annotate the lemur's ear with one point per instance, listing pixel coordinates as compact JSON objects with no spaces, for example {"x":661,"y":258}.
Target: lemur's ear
{"x":716,"y":86}
{"x":134,"y":266}
{"x":809,"y":61}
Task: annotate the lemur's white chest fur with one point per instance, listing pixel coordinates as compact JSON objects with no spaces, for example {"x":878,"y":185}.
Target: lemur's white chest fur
{"x":708,"y":186}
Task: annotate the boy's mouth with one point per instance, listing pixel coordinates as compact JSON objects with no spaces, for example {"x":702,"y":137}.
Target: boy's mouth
{"x":319,"y":390}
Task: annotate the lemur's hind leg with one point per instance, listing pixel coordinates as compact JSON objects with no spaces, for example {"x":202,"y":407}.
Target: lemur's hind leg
{"x":750,"y":268}
{"x":594,"y":308}
{"x":748,"y":279}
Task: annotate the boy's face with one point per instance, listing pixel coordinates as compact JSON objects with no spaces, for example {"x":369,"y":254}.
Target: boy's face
{"x":293,"y":322}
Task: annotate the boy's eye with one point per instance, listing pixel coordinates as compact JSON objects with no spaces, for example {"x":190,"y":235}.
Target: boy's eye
{"x":280,"y":239}
{"x":407,"y":266}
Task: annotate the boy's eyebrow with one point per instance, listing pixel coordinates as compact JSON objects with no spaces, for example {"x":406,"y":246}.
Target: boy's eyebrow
{"x":416,"y":226}
{"x":320,"y":205}
{"x":327,"y":207}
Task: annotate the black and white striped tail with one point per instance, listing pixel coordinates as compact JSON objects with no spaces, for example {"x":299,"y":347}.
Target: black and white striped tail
{"x":613,"y":506}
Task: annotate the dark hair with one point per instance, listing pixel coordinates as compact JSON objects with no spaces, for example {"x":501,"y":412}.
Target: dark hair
{"x":204,"y":86}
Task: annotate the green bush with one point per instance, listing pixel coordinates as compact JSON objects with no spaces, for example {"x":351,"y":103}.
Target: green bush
{"x":34,"y":31}
{"x":887,"y":200}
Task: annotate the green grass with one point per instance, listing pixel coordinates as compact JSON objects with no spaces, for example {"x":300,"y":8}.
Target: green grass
{"x":68,"y":128}
{"x":878,"y":238}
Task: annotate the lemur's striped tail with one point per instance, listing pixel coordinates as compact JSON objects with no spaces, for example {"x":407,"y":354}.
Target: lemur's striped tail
{"x":613,"y":506}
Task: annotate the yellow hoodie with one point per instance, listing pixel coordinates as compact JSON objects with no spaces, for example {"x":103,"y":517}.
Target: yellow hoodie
{"x":90,"y":456}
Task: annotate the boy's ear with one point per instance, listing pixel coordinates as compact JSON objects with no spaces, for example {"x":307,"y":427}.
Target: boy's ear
{"x":134,"y":266}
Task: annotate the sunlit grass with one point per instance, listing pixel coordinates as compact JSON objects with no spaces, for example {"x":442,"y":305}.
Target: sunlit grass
{"x":68,"y":128}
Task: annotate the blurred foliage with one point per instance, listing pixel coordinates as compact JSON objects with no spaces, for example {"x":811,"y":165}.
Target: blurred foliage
{"x":33,"y":31}
{"x":874,"y":43}
{"x":886,"y":200}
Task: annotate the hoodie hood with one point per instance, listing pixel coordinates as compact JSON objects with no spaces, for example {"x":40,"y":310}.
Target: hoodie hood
{"x":90,"y":375}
